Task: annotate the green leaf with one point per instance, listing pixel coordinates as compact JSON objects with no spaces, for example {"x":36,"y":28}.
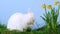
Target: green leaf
{"x":43,"y":18}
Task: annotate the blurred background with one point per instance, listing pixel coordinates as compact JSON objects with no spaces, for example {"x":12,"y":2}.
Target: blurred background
{"x":8,"y":7}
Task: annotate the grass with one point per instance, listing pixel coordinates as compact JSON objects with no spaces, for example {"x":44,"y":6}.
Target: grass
{"x":42,"y":30}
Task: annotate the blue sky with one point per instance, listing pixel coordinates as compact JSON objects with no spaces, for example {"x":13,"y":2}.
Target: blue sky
{"x":8,"y":7}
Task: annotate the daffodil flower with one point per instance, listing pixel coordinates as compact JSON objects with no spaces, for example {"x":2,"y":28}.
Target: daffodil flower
{"x":56,"y":3}
{"x":49,"y":6}
{"x":44,"y":6}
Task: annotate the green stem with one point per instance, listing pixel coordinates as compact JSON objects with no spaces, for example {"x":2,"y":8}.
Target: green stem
{"x":45,"y":11}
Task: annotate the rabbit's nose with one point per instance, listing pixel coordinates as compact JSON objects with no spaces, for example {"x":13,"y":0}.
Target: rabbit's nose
{"x":30,"y":23}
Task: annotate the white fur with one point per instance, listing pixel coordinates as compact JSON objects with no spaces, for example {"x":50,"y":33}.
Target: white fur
{"x":19,"y":21}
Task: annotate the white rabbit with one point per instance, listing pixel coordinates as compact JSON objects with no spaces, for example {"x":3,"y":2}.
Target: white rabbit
{"x":19,"y":21}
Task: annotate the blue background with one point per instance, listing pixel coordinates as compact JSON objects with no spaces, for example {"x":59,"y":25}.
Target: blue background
{"x":8,"y":7}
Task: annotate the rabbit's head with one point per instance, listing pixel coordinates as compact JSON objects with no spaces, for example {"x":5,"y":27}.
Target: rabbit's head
{"x":31,"y":18}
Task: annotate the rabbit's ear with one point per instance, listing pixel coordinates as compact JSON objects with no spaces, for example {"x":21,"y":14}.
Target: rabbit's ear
{"x":29,"y":10}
